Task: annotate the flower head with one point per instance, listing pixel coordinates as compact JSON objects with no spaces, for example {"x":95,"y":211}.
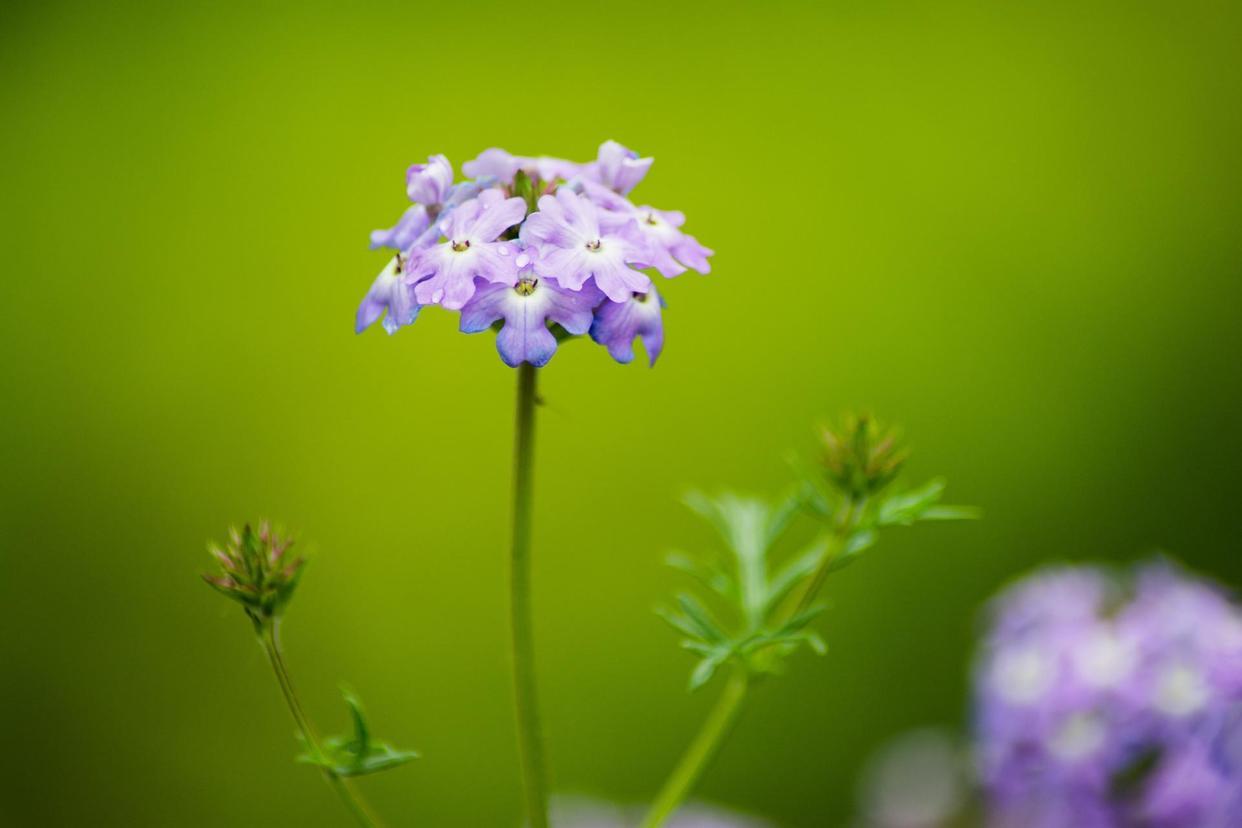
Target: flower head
{"x":256,"y":571}
{"x":549,"y":248}
{"x":1118,"y":699}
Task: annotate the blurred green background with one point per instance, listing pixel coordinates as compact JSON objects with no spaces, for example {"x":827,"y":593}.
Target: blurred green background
{"x":1013,"y":230}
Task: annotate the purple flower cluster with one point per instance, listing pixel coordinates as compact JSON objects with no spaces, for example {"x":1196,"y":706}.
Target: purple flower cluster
{"x":542,"y":247}
{"x":1103,"y":702}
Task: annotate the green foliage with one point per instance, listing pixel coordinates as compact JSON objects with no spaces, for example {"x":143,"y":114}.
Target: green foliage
{"x":256,"y":571}
{"x":756,"y":635}
{"x":763,"y":611}
{"x":358,"y":754}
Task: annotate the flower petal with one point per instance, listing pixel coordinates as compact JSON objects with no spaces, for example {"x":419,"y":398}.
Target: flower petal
{"x":402,"y":235}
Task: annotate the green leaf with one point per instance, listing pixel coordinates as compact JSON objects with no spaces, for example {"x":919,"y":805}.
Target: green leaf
{"x":794,"y":572}
{"x":358,"y":754}
{"x":947,"y":512}
{"x":800,"y":620}
{"x":703,"y":672}
{"x":680,"y":623}
{"x":709,"y":575}
{"x":904,"y":508}
{"x":702,"y":620}
{"x":780,"y":516}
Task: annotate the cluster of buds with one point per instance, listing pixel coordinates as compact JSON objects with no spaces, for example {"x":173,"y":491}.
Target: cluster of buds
{"x":861,"y":457}
{"x":257,"y":571}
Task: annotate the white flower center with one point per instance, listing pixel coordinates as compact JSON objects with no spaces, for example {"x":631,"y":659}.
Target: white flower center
{"x":1078,"y":736}
{"x":1021,"y":676}
{"x":1181,"y":691}
{"x":1105,"y":660}
{"x":594,"y":246}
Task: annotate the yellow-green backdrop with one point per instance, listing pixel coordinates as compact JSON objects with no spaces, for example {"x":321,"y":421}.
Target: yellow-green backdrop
{"x":1012,"y":228}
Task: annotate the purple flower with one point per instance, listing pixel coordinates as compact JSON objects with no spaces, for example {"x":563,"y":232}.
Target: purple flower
{"x":1082,"y":682}
{"x":496,"y":163}
{"x":429,"y":183}
{"x":526,"y":309}
{"x":405,"y":233}
{"x":445,"y":274}
{"x":573,"y":266}
{"x":618,"y":323}
{"x":617,"y":168}
{"x":389,"y":292}
{"x":665,"y":247}
{"x":573,"y":248}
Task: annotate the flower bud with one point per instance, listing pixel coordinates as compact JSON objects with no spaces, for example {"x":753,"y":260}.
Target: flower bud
{"x":861,"y":457}
{"x":256,"y":571}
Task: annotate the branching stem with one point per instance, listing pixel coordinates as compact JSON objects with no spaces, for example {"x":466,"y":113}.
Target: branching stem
{"x":720,"y":721}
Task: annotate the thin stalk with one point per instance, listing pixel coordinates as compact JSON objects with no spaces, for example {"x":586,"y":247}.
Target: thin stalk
{"x":702,"y":750}
{"x":530,"y":739}
{"x":342,"y":786}
{"x":720,"y":721}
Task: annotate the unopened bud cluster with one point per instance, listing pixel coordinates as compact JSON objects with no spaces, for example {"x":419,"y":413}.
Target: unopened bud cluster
{"x":257,"y":571}
{"x":861,"y":457}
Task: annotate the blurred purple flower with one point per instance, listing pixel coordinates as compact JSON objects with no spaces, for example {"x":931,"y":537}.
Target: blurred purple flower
{"x":1106,"y":705}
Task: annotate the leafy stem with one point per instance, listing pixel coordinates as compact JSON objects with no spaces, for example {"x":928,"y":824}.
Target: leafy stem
{"x":719,"y":723}
{"x":270,"y":638}
{"x":751,"y":615}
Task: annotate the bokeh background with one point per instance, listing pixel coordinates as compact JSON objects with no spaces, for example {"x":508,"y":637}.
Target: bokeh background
{"x":1013,"y":230}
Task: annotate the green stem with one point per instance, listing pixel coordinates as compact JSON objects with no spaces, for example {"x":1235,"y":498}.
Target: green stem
{"x":835,"y":545}
{"x":343,"y":787}
{"x":530,"y":740}
{"x":701,"y":751}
